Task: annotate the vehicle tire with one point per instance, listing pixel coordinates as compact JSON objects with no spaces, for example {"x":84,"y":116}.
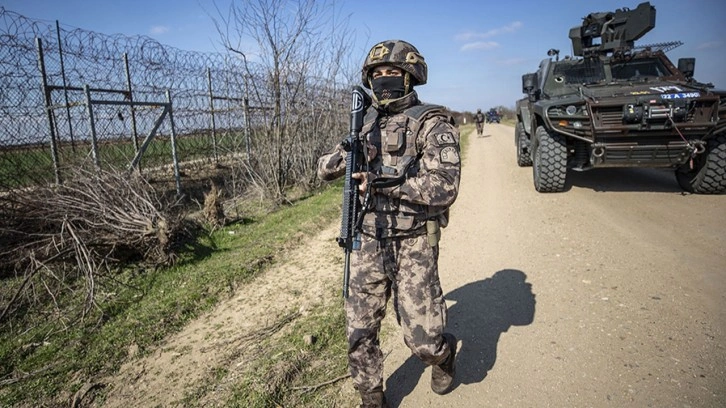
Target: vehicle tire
{"x":708,"y":175}
{"x":549,"y":161}
{"x":524,"y":158}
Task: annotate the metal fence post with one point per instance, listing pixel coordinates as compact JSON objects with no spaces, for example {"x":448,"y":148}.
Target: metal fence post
{"x":49,"y":111}
{"x":173,"y":144}
{"x":92,"y":125}
{"x":65,"y":85}
{"x":211,"y":108}
{"x":130,"y":96}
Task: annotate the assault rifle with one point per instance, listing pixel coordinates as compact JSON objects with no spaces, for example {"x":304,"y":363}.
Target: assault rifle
{"x":355,"y":161}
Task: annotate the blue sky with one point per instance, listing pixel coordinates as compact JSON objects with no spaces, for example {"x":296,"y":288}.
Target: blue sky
{"x":476,"y":50}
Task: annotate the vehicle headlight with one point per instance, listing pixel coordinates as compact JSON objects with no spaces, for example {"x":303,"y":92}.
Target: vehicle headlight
{"x":571,"y":110}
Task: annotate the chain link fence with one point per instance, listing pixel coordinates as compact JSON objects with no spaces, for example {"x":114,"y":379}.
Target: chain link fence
{"x":71,"y":98}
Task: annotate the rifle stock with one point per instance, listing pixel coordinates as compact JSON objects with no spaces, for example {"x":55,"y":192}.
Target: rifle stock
{"x":355,"y":161}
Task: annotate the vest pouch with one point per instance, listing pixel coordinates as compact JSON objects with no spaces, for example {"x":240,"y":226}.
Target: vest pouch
{"x":433,"y":232}
{"x":395,"y":141}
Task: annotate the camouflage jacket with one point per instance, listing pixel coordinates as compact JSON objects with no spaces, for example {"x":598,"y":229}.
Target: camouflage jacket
{"x":411,"y":132}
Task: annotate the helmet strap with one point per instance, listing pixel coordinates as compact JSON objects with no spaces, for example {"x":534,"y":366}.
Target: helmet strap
{"x":390,"y":88}
{"x":373,"y":94}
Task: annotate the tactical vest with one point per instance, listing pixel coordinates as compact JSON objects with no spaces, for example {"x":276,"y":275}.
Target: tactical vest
{"x":399,"y":147}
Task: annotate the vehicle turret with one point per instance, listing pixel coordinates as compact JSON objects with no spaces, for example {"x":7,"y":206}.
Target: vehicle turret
{"x":616,"y":31}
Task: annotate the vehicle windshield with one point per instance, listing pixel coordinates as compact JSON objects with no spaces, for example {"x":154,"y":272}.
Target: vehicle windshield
{"x":578,"y":72}
{"x":638,"y":69}
{"x":568,"y":75}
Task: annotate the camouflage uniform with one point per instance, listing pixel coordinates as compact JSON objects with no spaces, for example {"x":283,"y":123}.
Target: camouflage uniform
{"x":399,"y":251}
{"x":479,"y":118}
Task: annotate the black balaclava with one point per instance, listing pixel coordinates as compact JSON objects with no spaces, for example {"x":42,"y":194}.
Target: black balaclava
{"x":388,"y":87}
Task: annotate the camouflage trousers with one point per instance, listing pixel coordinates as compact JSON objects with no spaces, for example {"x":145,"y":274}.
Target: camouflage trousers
{"x":406,"y":268}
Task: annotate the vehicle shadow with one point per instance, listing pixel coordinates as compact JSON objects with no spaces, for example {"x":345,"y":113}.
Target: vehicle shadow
{"x":625,"y":179}
{"x":483,"y":311}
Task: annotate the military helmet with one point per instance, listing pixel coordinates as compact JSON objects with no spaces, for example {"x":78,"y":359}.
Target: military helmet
{"x":399,"y":54}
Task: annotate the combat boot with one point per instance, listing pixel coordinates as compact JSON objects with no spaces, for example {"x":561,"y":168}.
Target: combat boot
{"x":442,"y":375}
{"x":373,"y":399}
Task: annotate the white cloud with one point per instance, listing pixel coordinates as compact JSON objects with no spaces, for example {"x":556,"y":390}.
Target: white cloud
{"x":159,"y":29}
{"x":471,"y":35}
{"x":467,"y":36}
{"x":709,"y":45}
{"x":480,"y":45}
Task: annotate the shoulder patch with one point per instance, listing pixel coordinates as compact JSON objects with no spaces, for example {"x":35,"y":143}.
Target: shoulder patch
{"x":443,"y":139}
{"x":450,"y":154}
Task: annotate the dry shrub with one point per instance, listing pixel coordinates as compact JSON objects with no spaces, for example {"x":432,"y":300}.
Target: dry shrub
{"x":213,"y":209}
{"x":59,"y":239}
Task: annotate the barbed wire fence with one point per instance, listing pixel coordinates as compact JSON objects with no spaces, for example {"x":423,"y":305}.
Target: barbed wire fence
{"x":74,"y":99}
{"x":82,"y":114}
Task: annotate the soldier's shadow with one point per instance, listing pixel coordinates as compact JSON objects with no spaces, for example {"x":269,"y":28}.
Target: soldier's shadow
{"x":483,"y":311}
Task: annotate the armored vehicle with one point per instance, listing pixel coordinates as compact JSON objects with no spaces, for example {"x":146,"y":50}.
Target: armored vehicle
{"x":493,"y":116}
{"x":614,"y":104}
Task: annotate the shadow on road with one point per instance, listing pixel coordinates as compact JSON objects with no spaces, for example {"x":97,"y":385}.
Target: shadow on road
{"x":483,"y":311}
{"x":625,"y":179}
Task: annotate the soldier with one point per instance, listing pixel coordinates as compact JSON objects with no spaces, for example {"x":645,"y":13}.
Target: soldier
{"x":479,"y":118}
{"x":417,"y":145}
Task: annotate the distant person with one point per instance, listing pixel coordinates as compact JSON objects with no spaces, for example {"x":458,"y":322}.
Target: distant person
{"x":479,"y":118}
{"x":417,"y":145}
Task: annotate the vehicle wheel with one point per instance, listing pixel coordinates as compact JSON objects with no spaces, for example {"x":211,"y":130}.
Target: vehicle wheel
{"x":524,"y":158}
{"x":708,"y":175}
{"x":549,"y":161}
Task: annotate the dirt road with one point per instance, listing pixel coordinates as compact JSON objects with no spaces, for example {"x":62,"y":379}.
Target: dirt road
{"x":610,"y":294}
